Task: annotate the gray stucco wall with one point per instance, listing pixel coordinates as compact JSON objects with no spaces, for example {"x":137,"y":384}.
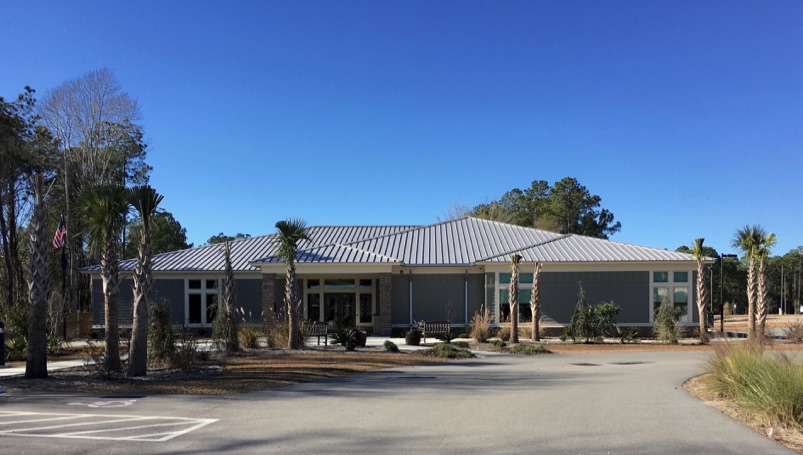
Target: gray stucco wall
{"x":400,"y":293}
{"x":476,"y":295}
{"x":629,"y":290}
{"x":171,"y":290}
{"x":432,"y":293}
{"x":125,"y":303}
{"x":249,"y":298}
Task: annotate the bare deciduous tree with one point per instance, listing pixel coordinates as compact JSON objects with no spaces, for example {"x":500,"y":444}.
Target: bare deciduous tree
{"x":94,"y":121}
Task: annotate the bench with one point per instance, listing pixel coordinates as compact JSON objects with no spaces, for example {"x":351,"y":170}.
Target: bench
{"x":316,"y":329}
{"x":435,"y":328}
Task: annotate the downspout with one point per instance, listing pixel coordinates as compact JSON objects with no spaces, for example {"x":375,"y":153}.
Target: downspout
{"x":465,"y":298}
{"x":410,"y":279}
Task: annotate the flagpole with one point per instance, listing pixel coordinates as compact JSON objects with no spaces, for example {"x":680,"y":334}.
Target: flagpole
{"x":63,"y":295}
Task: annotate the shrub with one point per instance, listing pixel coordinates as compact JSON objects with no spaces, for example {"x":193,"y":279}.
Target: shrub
{"x":498,"y":343}
{"x":446,"y":337}
{"x":185,"y":354}
{"x":528,"y":349}
{"x":161,"y":342}
{"x":771,"y":385}
{"x":591,"y":322}
{"x":391,"y":346}
{"x":54,"y":344}
{"x":345,"y":337}
{"x":95,"y":362}
{"x":628,"y":335}
{"x":225,"y":333}
{"x":276,"y":335}
{"x":794,"y":331}
{"x":451,"y":351}
{"x":481,"y":326}
{"x":249,"y":337}
{"x":17,"y":348}
{"x":503,"y":333}
{"x":16,"y":320}
{"x":666,"y":328}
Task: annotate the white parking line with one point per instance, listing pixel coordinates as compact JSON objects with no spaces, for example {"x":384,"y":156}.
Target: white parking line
{"x":103,"y":423}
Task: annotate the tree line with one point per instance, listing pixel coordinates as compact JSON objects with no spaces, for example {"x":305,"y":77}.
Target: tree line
{"x":81,"y":144}
{"x":566,"y":207}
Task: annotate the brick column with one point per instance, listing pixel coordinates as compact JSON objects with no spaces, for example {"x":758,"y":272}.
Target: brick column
{"x":385,"y":288}
{"x":268,"y":297}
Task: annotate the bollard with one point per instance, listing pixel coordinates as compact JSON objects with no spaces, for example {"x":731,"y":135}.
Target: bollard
{"x":2,"y":344}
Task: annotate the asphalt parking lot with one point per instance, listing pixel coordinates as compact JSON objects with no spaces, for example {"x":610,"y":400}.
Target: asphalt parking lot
{"x":602,"y":403}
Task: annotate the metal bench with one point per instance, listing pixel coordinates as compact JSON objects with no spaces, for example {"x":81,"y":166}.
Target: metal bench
{"x":435,"y":328}
{"x":316,"y":329}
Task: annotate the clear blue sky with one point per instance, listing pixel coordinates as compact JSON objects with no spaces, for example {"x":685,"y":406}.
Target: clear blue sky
{"x":686,"y":117}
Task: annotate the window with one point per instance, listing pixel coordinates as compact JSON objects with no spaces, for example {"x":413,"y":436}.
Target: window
{"x":314,"y":307}
{"x":674,"y":287}
{"x":681,"y":300}
{"x":525,"y":315}
{"x":338,"y":284}
{"x":524,"y":278}
{"x":366,"y":308}
{"x":346,"y":302}
{"x":201,"y":303}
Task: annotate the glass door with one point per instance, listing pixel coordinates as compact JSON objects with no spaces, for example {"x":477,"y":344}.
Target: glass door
{"x":339,"y":309}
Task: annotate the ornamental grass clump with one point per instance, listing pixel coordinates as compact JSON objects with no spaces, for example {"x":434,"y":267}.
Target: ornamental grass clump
{"x":768,"y":384}
{"x":481,"y":326}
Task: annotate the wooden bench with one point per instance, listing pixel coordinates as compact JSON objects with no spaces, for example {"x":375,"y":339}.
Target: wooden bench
{"x":316,"y":329}
{"x":435,"y":328}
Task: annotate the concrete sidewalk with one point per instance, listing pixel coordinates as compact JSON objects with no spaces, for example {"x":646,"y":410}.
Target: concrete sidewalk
{"x":51,"y":366}
{"x":372,"y":341}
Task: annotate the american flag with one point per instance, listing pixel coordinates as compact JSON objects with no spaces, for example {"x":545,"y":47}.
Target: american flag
{"x":61,"y":234}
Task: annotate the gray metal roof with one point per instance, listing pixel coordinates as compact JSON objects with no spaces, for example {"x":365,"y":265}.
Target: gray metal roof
{"x":463,"y":242}
{"x":245,"y":251}
{"x":577,"y":248}
{"x":469,"y":241}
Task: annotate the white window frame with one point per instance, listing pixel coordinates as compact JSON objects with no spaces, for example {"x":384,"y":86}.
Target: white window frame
{"x":357,"y":291}
{"x":670,"y":284}
{"x":499,"y":286}
{"x":204,"y":293}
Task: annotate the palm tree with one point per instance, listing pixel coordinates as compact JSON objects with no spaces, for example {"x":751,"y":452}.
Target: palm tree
{"x":291,"y":232}
{"x":38,"y":287}
{"x":514,"y":298}
{"x":766,"y":243}
{"x":225,"y":324}
{"x":535,"y":304}
{"x":702,"y":290}
{"x":145,"y":200}
{"x":104,"y":208}
{"x":748,"y":239}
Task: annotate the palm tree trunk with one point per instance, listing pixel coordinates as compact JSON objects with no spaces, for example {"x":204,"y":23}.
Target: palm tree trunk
{"x":751,"y":299}
{"x":514,"y":303}
{"x":702,"y":301}
{"x":38,"y":288}
{"x":111,"y":282}
{"x":535,"y":304}
{"x":762,"y":300}
{"x":290,"y":297}
{"x":138,"y":355}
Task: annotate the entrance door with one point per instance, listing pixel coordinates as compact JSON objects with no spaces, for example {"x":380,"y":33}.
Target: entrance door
{"x":339,"y":309}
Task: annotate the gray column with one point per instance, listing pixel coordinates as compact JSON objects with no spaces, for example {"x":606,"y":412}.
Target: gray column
{"x":268,"y":297}
{"x":384,"y":304}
